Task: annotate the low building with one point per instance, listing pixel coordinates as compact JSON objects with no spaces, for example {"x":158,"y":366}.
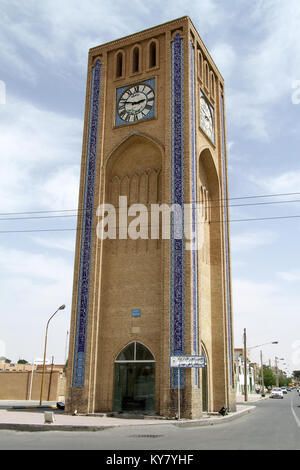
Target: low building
{"x":240,"y":373}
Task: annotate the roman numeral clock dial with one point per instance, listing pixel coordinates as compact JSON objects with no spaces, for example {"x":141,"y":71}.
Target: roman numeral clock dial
{"x":206,"y":117}
{"x":135,"y":103}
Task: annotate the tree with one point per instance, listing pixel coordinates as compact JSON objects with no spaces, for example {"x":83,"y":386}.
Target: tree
{"x":269,"y":377}
{"x":22,"y":361}
{"x":296,"y":374}
{"x":283,"y":381}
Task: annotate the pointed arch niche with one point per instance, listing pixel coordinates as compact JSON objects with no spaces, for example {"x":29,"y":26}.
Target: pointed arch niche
{"x":138,"y":158}
{"x":210,"y":268}
{"x":130,"y":269}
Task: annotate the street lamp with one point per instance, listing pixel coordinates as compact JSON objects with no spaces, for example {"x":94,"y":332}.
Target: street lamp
{"x":262,"y":365}
{"x":45,"y":347}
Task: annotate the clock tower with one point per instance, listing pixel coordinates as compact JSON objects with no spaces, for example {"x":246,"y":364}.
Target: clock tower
{"x":148,"y":287}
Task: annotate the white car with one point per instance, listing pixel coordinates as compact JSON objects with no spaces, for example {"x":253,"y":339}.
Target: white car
{"x":276,"y":393}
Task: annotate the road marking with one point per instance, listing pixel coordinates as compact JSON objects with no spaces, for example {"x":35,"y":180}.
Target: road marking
{"x":294,"y":414}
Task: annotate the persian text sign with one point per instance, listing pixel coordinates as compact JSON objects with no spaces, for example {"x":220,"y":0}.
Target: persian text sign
{"x":187,"y":361}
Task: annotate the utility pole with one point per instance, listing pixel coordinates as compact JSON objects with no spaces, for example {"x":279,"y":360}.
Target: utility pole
{"x":245,"y":367}
{"x":276,"y":371}
{"x":262,"y":376}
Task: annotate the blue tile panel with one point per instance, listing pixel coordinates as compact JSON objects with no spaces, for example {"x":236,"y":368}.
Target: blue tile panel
{"x":227,"y":267}
{"x":177,"y":307}
{"x":86,"y":231}
{"x":194,"y":212}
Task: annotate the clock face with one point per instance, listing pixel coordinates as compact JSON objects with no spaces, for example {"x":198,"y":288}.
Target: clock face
{"x":135,"y":103}
{"x":206,"y":117}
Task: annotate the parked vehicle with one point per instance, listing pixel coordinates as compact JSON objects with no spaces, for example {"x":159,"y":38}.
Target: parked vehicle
{"x":276,"y":393}
{"x":284,"y":390}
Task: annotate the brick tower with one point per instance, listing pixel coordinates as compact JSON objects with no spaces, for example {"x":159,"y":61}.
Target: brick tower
{"x":154,"y":133}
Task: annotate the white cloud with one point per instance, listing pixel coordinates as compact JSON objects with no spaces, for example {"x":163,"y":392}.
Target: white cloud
{"x":267,"y":65}
{"x":33,"y":265}
{"x":224,"y":56}
{"x":269,"y":314}
{"x":67,"y":243}
{"x":292,"y":276}
{"x":60,"y":189}
{"x":38,"y":149}
{"x":33,"y":287}
{"x":287,"y":184}
{"x":244,"y":113}
{"x":250,"y":240}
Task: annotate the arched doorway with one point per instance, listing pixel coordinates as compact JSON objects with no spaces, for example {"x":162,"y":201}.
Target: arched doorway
{"x":134,"y":379}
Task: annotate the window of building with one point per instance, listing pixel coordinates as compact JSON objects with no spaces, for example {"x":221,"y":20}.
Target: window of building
{"x":200,"y":63}
{"x":212,"y":84}
{"x":119,"y":64}
{"x":152,"y":55}
{"x":136,"y":60}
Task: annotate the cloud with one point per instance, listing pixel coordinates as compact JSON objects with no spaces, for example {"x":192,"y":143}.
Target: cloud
{"x":251,"y":240}
{"x":33,"y":286}
{"x":267,"y":311}
{"x":40,"y":158}
{"x":291,"y":276}
{"x":35,"y":266}
{"x":67,"y":243}
{"x":267,"y":64}
{"x":286,"y":182}
{"x":224,"y":56}
{"x":57,"y":32}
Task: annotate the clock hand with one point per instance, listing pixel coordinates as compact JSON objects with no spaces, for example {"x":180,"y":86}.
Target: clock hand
{"x":136,"y":102}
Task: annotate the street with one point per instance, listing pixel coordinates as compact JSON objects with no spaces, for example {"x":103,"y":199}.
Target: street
{"x":275,"y":425}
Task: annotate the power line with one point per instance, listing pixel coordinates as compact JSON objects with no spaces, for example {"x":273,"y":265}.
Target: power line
{"x":206,"y":222}
{"x":39,"y":230}
{"x":40,"y":217}
{"x":75,"y":215}
{"x":188,"y":202}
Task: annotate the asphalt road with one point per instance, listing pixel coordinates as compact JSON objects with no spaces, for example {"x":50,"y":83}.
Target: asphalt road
{"x":275,"y":425}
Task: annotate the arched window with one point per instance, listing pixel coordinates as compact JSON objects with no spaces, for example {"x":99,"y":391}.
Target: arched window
{"x":136,"y":60}
{"x":152,"y":55}
{"x":206,"y":74}
{"x":212,"y":84}
{"x":119,"y":65}
{"x":200,"y":64}
{"x":135,"y":352}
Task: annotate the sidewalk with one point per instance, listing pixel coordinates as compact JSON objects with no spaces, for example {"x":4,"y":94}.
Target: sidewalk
{"x":252,"y":397}
{"x":33,"y":420}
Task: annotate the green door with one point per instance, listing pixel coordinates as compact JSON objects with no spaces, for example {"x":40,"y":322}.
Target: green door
{"x":134,"y":380}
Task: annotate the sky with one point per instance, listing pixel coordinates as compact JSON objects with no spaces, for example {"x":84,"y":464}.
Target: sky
{"x":43,"y":61}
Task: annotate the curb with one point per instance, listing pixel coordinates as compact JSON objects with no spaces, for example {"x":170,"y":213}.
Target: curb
{"x":83,"y":428}
{"x":216,"y":421}
{"x":51,"y":427}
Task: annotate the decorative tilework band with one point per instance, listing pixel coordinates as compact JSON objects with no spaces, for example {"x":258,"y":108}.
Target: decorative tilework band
{"x":86,"y":232}
{"x":227,"y":267}
{"x":194,"y":212}
{"x":177,"y":334}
